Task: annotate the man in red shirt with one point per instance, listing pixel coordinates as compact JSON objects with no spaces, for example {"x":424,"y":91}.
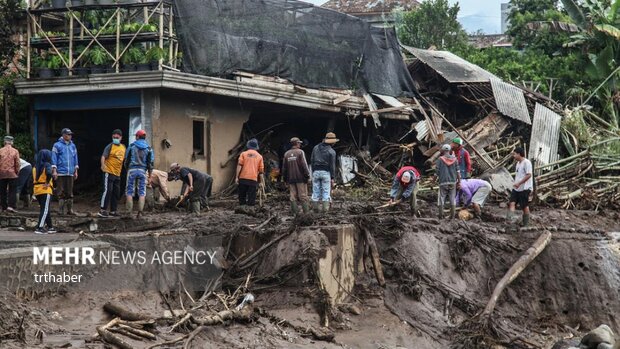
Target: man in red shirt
{"x":404,"y":187}
{"x":250,"y":169}
{"x":462,"y":158}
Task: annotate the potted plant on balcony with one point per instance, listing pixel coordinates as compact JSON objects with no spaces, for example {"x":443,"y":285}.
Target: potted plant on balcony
{"x":40,"y":65}
{"x":99,"y":60}
{"x":153,"y":55}
{"x":81,"y":70}
{"x":63,"y":70}
{"x":59,"y":3}
{"x":131,"y":58}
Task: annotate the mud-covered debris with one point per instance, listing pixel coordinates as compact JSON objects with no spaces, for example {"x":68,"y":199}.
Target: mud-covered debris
{"x":601,"y":334}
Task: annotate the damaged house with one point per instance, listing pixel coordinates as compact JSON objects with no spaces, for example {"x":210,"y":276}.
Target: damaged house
{"x":198,"y":74}
{"x":201,"y":77}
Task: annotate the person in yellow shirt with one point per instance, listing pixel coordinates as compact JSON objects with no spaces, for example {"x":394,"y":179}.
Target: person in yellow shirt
{"x":42,"y":176}
{"x":112,"y":165}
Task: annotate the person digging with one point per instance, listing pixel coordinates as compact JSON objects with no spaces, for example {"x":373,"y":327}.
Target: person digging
{"x":296,"y":174}
{"x":405,"y":188}
{"x":474,"y":192}
{"x":196,"y":186}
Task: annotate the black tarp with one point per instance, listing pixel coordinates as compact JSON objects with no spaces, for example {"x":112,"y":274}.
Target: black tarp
{"x":309,"y":46}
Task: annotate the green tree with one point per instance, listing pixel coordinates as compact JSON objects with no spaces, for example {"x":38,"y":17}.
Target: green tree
{"x":8,"y":14}
{"x":598,"y":43}
{"x":433,"y":23}
{"x":532,"y":25}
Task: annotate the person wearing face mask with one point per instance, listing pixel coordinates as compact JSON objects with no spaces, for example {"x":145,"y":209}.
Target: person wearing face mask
{"x":111,"y":165}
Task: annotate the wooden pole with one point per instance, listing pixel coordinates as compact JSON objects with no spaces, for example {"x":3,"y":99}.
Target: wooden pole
{"x":161,"y":34}
{"x":516,"y":269}
{"x":70,"y":66}
{"x":28,"y":49}
{"x":7,"y":119}
{"x":170,"y":35}
{"x":118,"y":40}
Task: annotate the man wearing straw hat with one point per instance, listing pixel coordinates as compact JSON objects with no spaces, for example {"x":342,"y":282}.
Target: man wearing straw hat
{"x":323,"y":162}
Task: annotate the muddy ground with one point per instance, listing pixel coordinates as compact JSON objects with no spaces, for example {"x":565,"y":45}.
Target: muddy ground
{"x":439,"y":275}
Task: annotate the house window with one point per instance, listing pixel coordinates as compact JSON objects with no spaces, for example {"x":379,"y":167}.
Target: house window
{"x":199,"y":137}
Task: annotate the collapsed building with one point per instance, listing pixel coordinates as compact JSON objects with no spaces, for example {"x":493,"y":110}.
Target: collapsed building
{"x":226,"y":73}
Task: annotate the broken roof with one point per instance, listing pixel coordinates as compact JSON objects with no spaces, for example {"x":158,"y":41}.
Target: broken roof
{"x":451,"y":67}
{"x":358,"y":7}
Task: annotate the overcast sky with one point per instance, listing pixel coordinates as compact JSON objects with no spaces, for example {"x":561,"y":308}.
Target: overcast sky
{"x":474,"y":14}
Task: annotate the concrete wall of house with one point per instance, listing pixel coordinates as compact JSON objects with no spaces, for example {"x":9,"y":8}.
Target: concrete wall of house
{"x":223,"y":121}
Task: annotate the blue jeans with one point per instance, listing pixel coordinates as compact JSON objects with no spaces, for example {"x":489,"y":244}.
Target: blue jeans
{"x":321,"y":186}
{"x":134,"y":175}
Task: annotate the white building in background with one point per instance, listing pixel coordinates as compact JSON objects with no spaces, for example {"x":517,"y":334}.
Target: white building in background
{"x":505,"y":13}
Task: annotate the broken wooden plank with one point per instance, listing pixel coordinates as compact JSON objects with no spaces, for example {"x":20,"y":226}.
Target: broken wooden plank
{"x":384,"y":110}
{"x":341,"y":99}
{"x":375,"y":258}
{"x":373,"y":107}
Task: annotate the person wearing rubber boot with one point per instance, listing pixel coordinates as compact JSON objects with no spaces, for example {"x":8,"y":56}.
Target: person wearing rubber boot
{"x":296,"y":174}
{"x":196,"y":186}
{"x":462,"y":158}
{"x":323,"y":162}
{"x":405,"y":188}
{"x":448,"y":174}
{"x":111,"y":165}
{"x":158,"y":186}
{"x":522,"y":187}
{"x":249,"y":174}
{"x":474,"y":192}
{"x":65,"y":167}
{"x":139,"y":160}
{"x":42,"y":178}
{"x":24,"y":183}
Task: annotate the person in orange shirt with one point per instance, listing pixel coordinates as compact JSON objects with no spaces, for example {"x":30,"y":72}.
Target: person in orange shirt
{"x":250,"y":169}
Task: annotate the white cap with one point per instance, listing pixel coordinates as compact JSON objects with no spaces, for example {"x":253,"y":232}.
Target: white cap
{"x":406,"y":177}
{"x":446,"y":147}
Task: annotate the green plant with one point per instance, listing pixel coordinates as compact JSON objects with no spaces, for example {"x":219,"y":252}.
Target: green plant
{"x":53,"y":61}
{"x":134,"y":55}
{"x":155,"y":53}
{"x":98,"y":56}
{"x":38,"y":62}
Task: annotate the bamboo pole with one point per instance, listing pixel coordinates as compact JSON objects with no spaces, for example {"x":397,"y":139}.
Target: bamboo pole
{"x":94,"y":37}
{"x":28,"y":48}
{"x":71,"y":15}
{"x":118,"y":40}
{"x":50,"y":41}
{"x":170,"y":36}
{"x":161,"y":34}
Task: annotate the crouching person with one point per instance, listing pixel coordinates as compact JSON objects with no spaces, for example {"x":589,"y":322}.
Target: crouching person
{"x":405,"y":188}
{"x":42,"y":178}
{"x":196,"y":186}
{"x":474,"y":192}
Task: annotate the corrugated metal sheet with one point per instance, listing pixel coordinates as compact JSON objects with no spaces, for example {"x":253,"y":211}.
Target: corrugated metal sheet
{"x":510,"y":101}
{"x":545,"y":136}
{"x":450,"y":66}
{"x":422,"y":130}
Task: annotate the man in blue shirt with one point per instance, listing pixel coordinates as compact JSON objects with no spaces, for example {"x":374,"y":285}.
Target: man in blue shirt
{"x":139,"y":160}
{"x":65,"y":169}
